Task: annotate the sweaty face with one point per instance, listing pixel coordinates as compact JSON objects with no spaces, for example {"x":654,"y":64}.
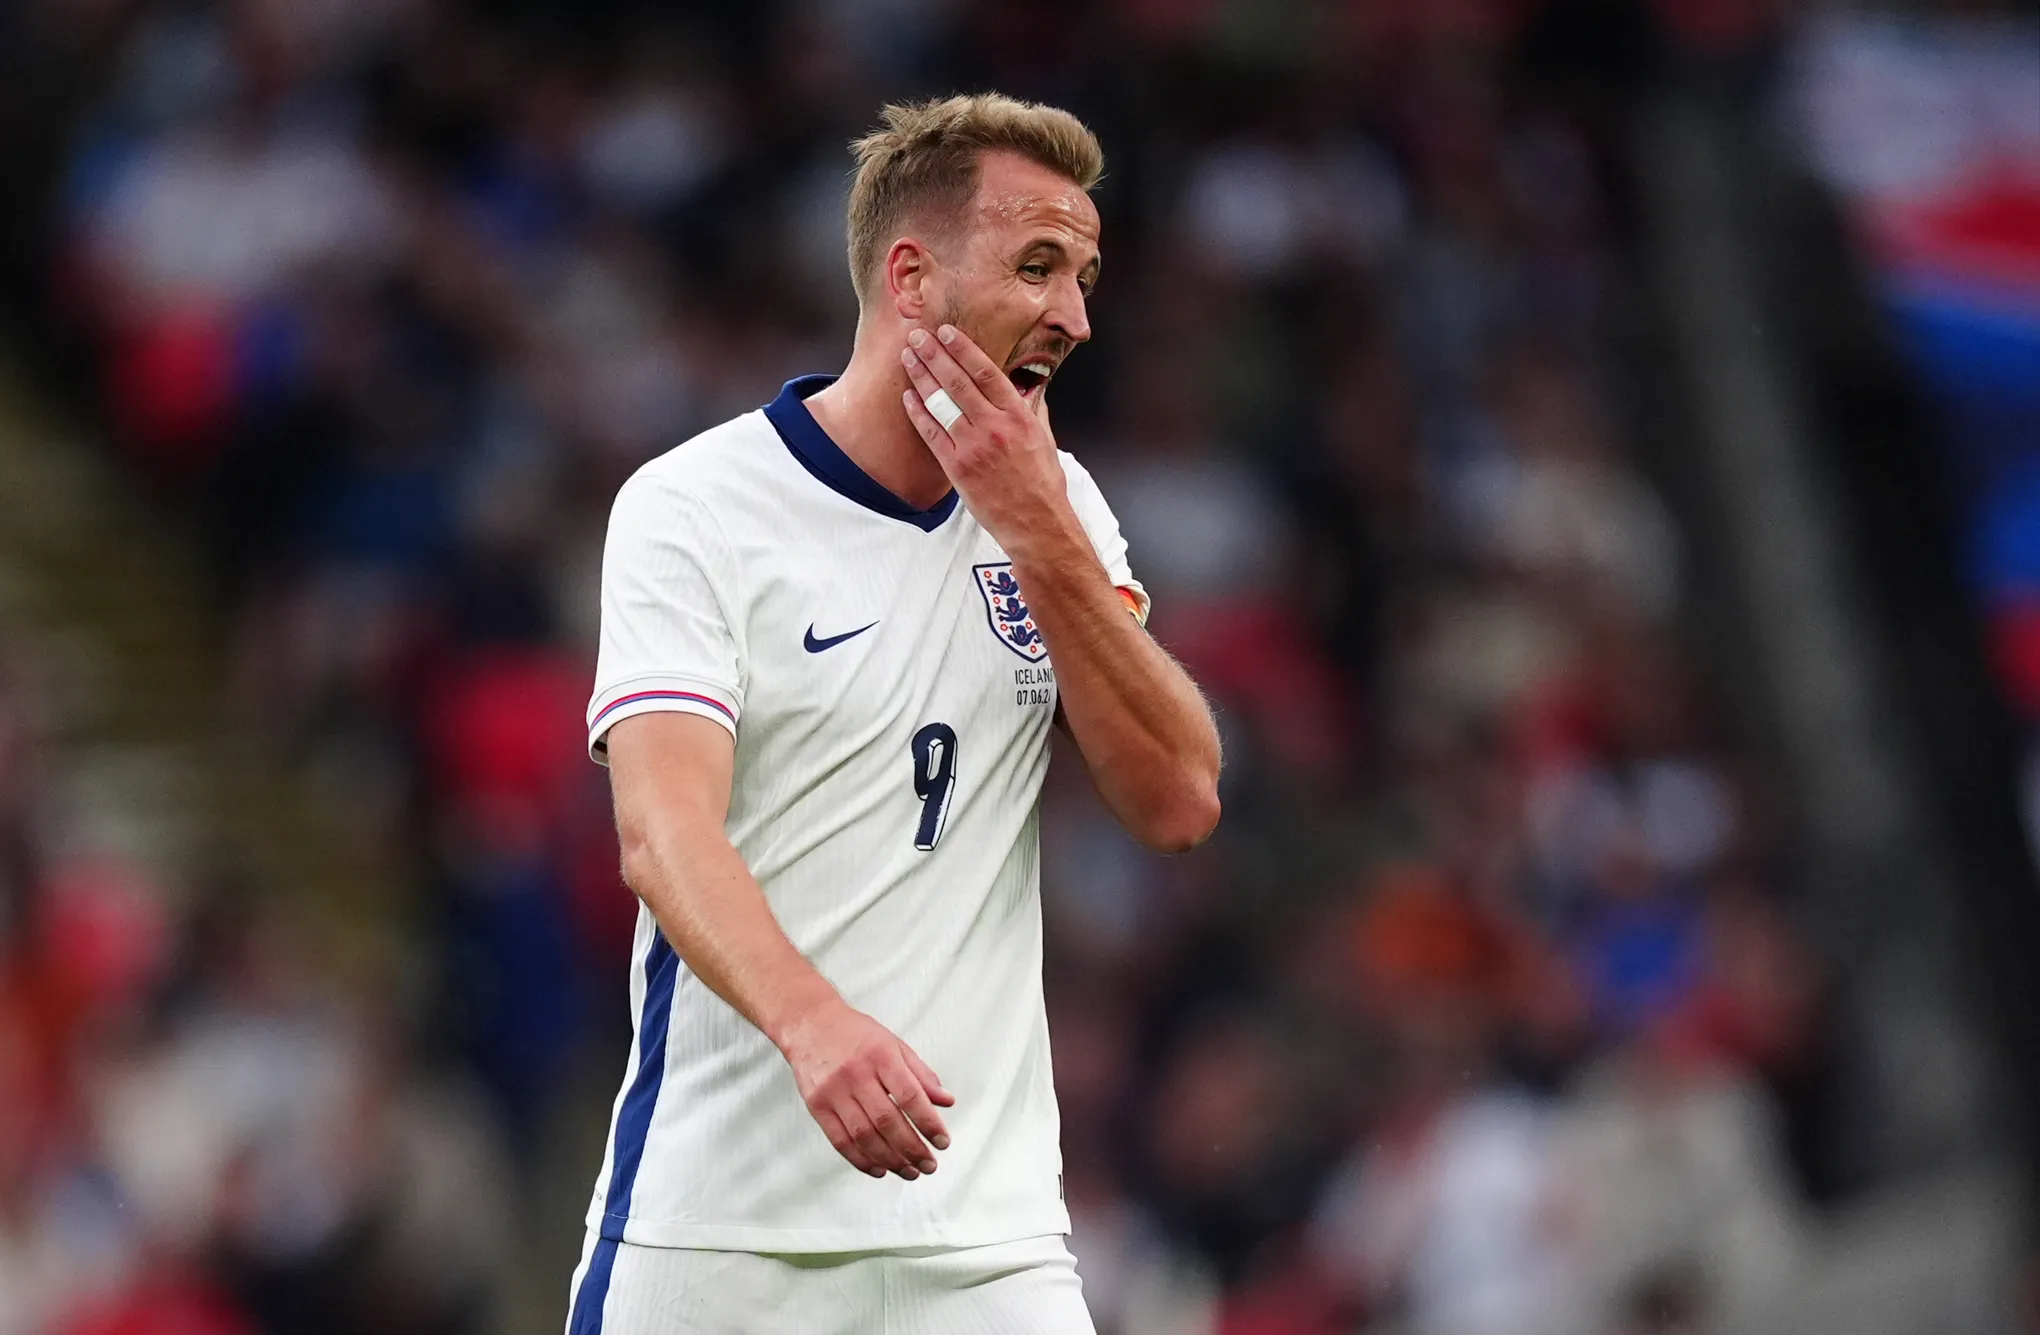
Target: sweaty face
{"x":1024,"y":264}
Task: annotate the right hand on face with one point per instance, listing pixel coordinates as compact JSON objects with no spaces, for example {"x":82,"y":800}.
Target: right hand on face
{"x":872,"y":1095}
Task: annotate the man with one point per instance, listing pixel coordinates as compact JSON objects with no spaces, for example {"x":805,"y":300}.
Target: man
{"x":834,"y":635}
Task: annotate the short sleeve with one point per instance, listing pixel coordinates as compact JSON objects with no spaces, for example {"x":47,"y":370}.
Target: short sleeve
{"x":1103,"y":528}
{"x":668,"y":643}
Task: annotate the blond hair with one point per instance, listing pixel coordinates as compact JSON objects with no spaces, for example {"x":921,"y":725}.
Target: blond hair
{"x":923,"y":163}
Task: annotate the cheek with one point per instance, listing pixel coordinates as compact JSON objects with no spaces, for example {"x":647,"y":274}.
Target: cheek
{"x":1003,"y":313}
{"x":1000,"y":312}
{"x":1022,"y":304}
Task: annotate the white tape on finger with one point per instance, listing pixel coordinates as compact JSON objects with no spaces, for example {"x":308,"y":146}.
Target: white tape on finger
{"x":943,"y":408}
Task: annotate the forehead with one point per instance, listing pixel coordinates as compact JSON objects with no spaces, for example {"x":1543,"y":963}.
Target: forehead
{"x":1018,"y":199}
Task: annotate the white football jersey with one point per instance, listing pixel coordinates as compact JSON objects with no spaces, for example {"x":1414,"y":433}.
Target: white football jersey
{"x":891,"y":699}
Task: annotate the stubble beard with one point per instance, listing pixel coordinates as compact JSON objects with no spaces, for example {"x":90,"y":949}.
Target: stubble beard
{"x":953,"y":313}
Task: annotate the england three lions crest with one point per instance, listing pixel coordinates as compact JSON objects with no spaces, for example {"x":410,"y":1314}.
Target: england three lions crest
{"x":1007,"y":610}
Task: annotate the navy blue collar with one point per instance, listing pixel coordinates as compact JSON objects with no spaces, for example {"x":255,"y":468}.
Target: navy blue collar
{"x":825,"y":458}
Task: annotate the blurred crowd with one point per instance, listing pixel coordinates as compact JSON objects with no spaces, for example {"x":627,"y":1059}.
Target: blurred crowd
{"x":200,"y":1134}
{"x":1483,"y":1014}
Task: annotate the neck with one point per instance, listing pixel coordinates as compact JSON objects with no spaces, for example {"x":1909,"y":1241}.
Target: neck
{"x":862,"y":414}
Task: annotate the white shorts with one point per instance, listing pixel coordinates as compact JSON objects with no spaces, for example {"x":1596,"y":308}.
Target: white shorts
{"x":1029,"y":1287}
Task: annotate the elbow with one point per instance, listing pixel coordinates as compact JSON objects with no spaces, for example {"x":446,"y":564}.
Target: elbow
{"x":1185,"y":820}
{"x":639,"y":861}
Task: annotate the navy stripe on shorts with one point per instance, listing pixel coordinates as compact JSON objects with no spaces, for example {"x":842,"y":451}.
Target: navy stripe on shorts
{"x":633,"y":1124}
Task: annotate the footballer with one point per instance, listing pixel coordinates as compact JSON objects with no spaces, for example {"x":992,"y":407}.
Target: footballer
{"x":835,"y":634}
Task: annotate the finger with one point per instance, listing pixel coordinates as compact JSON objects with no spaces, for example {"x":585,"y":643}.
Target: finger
{"x":938,"y":438}
{"x":878,"y":1157}
{"x":925,"y":383}
{"x":986,"y":374}
{"x":913,"y":1103}
{"x":900,"y":1137}
{"x":973,"y":397}
{"x":929,"y":1080}
{"x":893,"y":1125}
{"x":846,"y":1145}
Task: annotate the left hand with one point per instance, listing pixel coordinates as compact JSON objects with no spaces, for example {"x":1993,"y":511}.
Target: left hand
{"x":1000,"y":454}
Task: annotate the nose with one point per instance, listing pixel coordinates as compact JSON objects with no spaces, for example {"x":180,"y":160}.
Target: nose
{"x":1066,"y":314}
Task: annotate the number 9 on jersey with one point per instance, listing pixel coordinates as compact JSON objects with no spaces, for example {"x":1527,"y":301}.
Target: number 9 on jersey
{"x":934,"y":779}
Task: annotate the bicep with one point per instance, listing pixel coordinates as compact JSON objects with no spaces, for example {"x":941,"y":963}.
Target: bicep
{"x":669,"y":774}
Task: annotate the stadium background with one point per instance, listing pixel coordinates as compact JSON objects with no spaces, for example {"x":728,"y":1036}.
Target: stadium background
{"x":1586,"y":450}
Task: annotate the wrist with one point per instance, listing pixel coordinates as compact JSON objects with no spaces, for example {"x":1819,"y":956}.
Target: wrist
{"x":1049,"y":537}
{"x":795,"y":1009}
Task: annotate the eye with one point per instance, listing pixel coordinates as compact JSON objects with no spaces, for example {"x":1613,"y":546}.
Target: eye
{"x":1035,"y":269}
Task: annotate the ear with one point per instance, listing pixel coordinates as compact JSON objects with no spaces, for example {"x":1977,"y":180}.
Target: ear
{"x":909,"y":266}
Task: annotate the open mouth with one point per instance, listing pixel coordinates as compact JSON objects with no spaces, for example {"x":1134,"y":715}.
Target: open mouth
{"x":1032,"y":376}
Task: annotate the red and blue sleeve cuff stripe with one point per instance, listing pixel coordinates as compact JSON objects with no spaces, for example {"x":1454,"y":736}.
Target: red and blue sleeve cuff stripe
{"x":634,"y":697}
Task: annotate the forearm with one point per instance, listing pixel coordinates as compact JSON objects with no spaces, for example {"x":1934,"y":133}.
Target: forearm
{"x":716,"y":918}
{"x":1146,"y":735}
{"x":1141,"y":723}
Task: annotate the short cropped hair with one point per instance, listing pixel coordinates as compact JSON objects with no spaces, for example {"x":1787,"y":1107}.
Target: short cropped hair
{"x":923,"y":163}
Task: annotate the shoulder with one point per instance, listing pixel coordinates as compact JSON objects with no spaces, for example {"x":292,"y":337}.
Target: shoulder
{"x":707,"y":481}
{"x":724,"y":456}
{"x":686,"y":498}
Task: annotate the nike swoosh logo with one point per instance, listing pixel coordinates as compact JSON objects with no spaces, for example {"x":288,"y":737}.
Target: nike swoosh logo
{"x":815,"y":646}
